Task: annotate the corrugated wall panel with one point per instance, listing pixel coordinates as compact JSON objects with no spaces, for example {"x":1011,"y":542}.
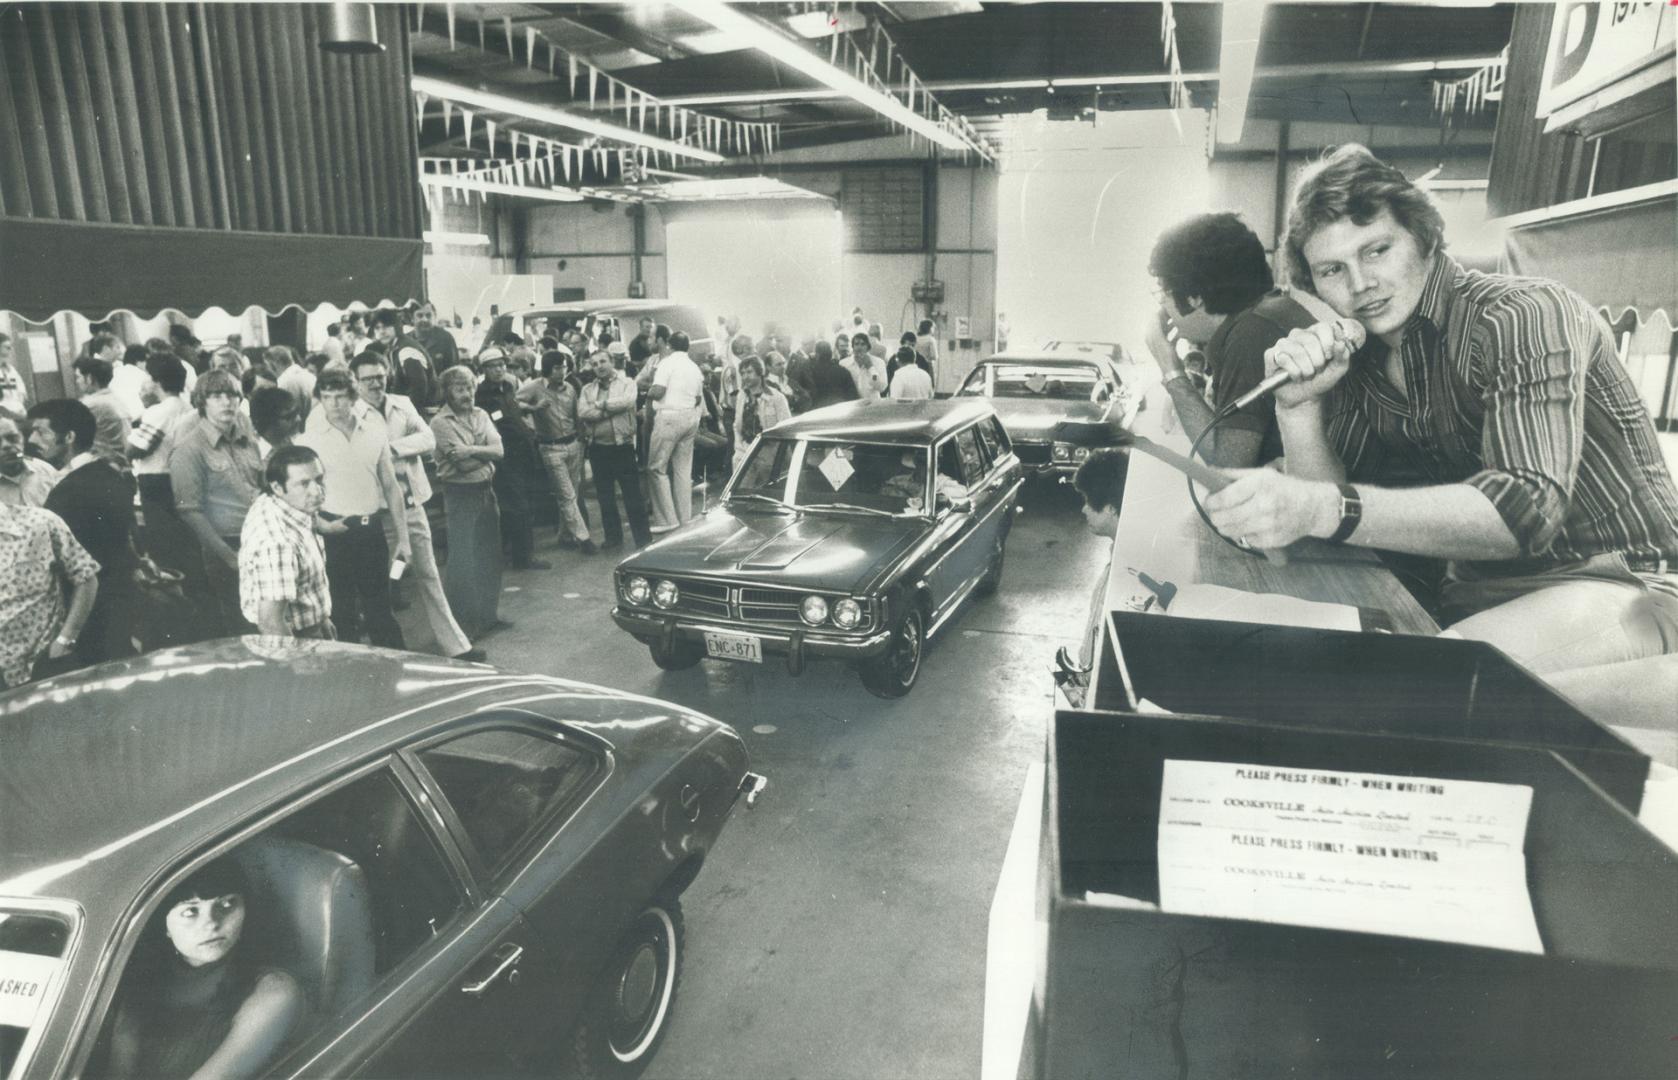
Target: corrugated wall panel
{"x":222,"y":116}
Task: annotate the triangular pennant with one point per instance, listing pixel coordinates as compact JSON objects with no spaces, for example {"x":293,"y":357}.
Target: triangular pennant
{"x":489,"y":134}
{"x":565,"y":162}
{"x":448,"y":114}
{"x":466,"y":115}
{"x":611,"y":94}
{"x":684,"y":125}
{"x":571,"y":68}
{"x":420,"y":100}
{"x":507,"y":32}
{"x":643,"y":113}
{"x":593,"y":75}
{"x":530,"y":46}
{"x":449,"y":11}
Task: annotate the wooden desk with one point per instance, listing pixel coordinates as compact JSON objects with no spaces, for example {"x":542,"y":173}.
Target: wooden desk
{"x":1160,"y":533}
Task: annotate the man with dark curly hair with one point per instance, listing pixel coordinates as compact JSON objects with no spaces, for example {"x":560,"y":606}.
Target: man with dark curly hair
{"x":1216,"y":289}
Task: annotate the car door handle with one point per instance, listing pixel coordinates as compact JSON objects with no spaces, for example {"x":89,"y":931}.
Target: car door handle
{"x":507,"y":958}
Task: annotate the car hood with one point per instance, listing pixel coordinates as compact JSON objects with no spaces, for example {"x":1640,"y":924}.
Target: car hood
{"x":1034,"y":421}
{"x":806,"y":550}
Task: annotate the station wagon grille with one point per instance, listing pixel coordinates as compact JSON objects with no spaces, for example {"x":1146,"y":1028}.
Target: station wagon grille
{"x":748,"y":603}
{"x":701,"y":597}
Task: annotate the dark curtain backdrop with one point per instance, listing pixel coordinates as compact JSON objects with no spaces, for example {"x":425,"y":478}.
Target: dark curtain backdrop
{"x":192,"y":120}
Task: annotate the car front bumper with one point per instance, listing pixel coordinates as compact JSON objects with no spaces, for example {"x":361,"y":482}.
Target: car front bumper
{"x":794,"y":643}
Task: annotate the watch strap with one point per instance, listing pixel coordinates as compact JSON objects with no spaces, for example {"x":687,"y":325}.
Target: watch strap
{"x":1351,"y":514}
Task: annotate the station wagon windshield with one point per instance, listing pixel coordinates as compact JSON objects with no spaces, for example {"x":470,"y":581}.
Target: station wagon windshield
{"x":837,"y":476}
{"x":1054,"y":382}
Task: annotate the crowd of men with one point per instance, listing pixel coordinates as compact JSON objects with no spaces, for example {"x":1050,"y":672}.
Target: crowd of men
{"x":187,"y":493}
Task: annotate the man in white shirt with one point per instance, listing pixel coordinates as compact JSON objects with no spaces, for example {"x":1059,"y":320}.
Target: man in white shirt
{"x":677,"y":395}
{"x":128,"y":379}
{"x":411,"y":441}
{"x":361,"y":493}
{"x":910,"y":381}
{"x":868,"y":373}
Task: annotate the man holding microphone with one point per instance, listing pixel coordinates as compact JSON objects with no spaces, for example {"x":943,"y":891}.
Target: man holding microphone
{"x":1487,"y":421}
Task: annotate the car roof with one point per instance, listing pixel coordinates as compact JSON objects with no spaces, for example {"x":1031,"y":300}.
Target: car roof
{"x":885,"y":420}
{"x":118,"y":769}
{"x":1049,"y":358}
{"x":591,"y":307}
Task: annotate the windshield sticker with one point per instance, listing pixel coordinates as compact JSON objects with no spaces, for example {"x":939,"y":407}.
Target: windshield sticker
{"x":837,"y":468}
{"x":24,"y":978}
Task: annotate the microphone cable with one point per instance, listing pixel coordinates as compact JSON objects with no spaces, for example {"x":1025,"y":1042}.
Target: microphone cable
{"x":1194,"y":448}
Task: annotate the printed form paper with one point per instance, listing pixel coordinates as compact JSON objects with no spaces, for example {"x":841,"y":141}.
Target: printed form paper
{"x":1405,"y":856}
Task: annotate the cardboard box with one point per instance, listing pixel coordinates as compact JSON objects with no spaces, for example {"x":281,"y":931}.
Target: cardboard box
{"x":1137,"y":994}
{"x":1344,"y":681}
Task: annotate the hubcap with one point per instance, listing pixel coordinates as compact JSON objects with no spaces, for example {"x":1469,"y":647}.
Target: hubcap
{"x":908,"y":649}
{"x":640,"y":980}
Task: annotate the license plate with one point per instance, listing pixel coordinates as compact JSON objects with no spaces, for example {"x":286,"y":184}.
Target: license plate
{"x":745,"y":647}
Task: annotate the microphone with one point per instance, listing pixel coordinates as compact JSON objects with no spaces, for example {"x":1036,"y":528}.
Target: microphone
{"x":1349,"y":331}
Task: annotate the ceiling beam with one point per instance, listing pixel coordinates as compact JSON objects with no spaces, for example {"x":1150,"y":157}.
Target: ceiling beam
{"x":619,"y":29}
{"x":1279,"y":71}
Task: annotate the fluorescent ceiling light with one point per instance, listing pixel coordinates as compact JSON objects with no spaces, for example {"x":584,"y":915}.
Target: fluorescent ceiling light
{"x":742,"y":187}
{"x":462,"y":239}
{"x":760,"y":36}
{"x":489,"y":187}
{"x":815,"y":24}
{"x":544,"y":114}
{"x":1237,"y":59}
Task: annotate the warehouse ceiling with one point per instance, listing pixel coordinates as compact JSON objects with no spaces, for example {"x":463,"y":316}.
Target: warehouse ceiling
{"x":1345,"y":63}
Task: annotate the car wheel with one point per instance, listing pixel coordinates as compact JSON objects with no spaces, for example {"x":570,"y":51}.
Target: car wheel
{"x":892,"y":674}
{"x":993,"y":576}
{"x":682,"y":655}
{"x":629,"y":1007}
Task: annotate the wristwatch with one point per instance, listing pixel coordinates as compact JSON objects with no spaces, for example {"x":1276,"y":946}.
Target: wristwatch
{"x":1351,"y":514}
{"x":66,"y":642}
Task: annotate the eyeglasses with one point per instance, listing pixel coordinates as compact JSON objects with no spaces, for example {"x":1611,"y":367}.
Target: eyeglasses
{"x":372,"y":380}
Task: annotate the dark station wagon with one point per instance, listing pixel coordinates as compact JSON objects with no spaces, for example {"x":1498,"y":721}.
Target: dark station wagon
{"x":1033,"y":392}
{"x":462,"y":871}
{"x":852,"y":532}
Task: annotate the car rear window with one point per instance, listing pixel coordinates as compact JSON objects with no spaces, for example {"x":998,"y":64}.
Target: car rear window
{"x":31,"y":956}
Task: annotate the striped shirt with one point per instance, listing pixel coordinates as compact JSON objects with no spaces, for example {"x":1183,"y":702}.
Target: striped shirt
{"x":1514,"y":387}
{"x":281,"y":557}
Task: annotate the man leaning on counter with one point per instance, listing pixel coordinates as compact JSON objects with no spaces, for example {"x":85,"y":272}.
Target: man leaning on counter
{"x":1488,"y":422}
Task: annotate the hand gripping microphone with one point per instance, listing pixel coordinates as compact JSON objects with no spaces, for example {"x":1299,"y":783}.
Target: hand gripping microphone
{"x":1347,"y":331}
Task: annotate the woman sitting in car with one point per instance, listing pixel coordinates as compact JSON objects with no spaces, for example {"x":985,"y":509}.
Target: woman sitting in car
{"x":201,"y":1008}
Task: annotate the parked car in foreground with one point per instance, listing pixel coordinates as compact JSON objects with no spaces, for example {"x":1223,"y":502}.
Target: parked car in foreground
{"x":620,"y":318}
{"x":1034,"y":391}
{"x":465,"y":870}
{"x":853,"y":532}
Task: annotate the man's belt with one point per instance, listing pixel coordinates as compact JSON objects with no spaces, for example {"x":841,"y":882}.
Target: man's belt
{"x":1651,"y":564}
{"x":356,"y":521}
{"x":567,"y":441}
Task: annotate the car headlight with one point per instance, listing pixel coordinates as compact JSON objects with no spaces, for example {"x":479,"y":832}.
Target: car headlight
{"x":1063,"y":451}
{"x":813,"y":610}
{"x":638,"y":590}
{"x":847,"y":614}
{"x":1080,"y":453}
{"x":665,"y":594}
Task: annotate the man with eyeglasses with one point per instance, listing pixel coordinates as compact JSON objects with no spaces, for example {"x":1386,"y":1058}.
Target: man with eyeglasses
{"x":215,"y":472}
{"x":411,"y":440}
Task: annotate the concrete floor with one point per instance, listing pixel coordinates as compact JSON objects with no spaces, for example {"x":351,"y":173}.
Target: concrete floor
{"x":839,"y":929}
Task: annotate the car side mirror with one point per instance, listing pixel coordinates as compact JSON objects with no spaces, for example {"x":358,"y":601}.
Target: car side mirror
{"x":941,"y":503}
{"x":1102,"y":394}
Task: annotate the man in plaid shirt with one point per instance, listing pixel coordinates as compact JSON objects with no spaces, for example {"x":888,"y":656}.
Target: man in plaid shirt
{"x":282,"y":561}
